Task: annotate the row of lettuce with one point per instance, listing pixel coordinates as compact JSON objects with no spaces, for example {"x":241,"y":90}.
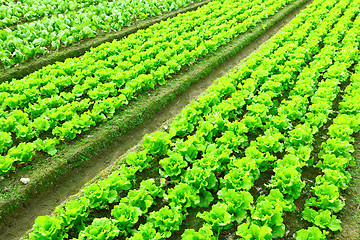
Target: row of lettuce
{"x":262,"y":118}
{"x":13,"y":13}
{"x":50,"y":33}
{"x":66,"y":99}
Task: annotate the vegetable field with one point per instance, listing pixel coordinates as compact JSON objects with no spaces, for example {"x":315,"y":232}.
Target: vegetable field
{"x":68,"y":23}
{"x":63,"y":100}
{"x":269,"y":151}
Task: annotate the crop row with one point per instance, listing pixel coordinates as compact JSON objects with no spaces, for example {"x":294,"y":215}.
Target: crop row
{"x":50,"y":33}
{"x":12,"y":13}
{"x":261,"y":118}
{"x":63,"y":100}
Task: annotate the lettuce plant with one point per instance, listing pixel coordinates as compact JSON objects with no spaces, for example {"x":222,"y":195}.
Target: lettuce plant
{"x":215,"y":158}
{"x":200,"y":178}
{"x":340,"y":179}
{"x":188,"y":149}
{"x":24,"y":133}
{"x":6,"y":164}
{"x":204,"y":233}
{"x":203,"y":180}
{"x":252,"y":122}
{"x":166,"y":220}
{"x":259,"y":110}
{"x":5,"y":141}
{"x":183,"y":195}
{"x":300,"y":136}
{"x":331,"y":161}
{"x":48,"y":145}
{"x":157,"y":144}
{"x":23,"y":152}
{"x":100,"y":229}
{"x":252,"y":231}
{"x":139,"y":198}
{"x":277,"y":198}
{"x":312,"y":233}
{"x":47,"y":227}
{"x":271,"y":141}
{"x":238,"y":202}
{"x":120,"y":179}
{"x":232,"y":141}
{"x":349,"y":105}
{"x":146,"y":231}
{"x":74,"y":213}
{"x":263,"y":160}
{"x":106,"y":191}
{"x":181,"y":127}
{"x":239,"y":180}
{"x":290,"y":161}
{"x":322,"y":219}
{"x":342,"y":132}
{"x":288,"y":181}
{"x":237,"y":127}
{"x":295,"y":108}
{"x":269,"y":211}
{"x":242,"y":175}
{"x":140,"y":159}
{"x":348,"y":120}
{"x":218,"y":217}
{"x":327,"y":197}
{"x":302,"y":153}
{"x":172,"y":165}
{"x":316,"y":120}
{"x":269,"y":214}
{"x":208,"y":129}
{"x":125,"y":216}
{"x":337,"y":147}
{"x":152,"y":188}
{"x":281,"y":122}
{"x":99,"y":196}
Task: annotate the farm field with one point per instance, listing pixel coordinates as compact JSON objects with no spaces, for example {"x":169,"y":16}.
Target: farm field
{"x":79,"y":103}
{"x":268,"y":150}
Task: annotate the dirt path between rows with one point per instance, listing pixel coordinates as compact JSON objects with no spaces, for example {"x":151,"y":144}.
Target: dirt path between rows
{"x":70,"y":184}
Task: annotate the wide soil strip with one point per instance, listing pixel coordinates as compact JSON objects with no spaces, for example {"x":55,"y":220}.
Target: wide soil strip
{"x":44,"y":203}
